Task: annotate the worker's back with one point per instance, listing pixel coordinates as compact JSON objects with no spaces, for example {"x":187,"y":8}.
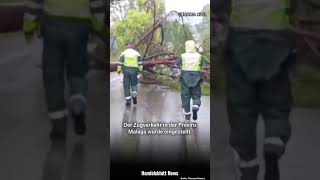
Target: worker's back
{"x":191,"y":61}
{"x":259,"y":14}
{"x":131,"y":57}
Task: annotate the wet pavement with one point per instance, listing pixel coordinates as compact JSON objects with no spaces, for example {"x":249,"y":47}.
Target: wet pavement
{"x":301,"y":160}
{"x":156,"y":104}
{"x":26,"y":151}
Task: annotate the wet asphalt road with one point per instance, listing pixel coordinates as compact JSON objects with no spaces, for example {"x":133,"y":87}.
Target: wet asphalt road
{"x":26,"y":151}
{"x":156,"y":104}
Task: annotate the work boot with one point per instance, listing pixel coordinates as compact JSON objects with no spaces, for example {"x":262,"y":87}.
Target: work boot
{"x":194,"y":114}
{"x":79,"y":123}
{"x":59,"y":129}
{"x":134,"y":99}
{"x":78,"y":113}
{"x":272,"y":166}
{"x":249,"y":173}
{"x":195,"y":110}
{"x":128,"y":102}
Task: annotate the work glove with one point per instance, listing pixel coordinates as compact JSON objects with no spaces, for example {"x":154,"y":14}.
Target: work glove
{"x":140,"y":69}
{"x":119,"y":69}
{"x":30,"y":28}
{"x":99,"y":27}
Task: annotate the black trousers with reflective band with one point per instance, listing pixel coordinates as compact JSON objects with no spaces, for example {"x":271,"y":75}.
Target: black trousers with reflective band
{"x":65,"y":57}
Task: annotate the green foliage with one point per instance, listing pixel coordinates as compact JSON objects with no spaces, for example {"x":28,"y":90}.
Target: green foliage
{"x":139,"y":18}
{"x":205,"y":88}
{"x":177,"y":33}
{"x":131,"y":28}
{"x":306,"y":86}
{"x":203,"y":29}
{"x":148,"y":6}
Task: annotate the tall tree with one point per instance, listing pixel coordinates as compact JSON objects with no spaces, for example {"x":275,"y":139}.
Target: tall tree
{"x":129,"y":30}
{"x":203,"y":29}
{"x":175,"y":35}
{"x":131,"y":19}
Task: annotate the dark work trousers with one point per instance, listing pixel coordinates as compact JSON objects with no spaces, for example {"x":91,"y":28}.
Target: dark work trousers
{"x":249,"y":97}
{"x":65,"y":57}
{"x":247,"y":100}
{"x":130,"y":82}
{"x":188,"y":93}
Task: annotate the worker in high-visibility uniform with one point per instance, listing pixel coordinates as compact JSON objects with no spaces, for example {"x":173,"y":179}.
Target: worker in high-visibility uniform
{"x":191,"y":63}
{"x":259,"y":51}
{"x":131,"y":64}
{"x":65,"y":27}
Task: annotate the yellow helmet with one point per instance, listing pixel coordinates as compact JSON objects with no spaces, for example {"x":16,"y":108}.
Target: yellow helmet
{"x":190,"y":46}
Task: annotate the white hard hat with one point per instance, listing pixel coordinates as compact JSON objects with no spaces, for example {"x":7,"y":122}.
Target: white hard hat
{"x":190,"y":46}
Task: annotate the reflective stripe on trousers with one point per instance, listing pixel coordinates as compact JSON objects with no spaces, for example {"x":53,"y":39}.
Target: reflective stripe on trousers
{"x":58,"y":114}
{"x":77,"y":97}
